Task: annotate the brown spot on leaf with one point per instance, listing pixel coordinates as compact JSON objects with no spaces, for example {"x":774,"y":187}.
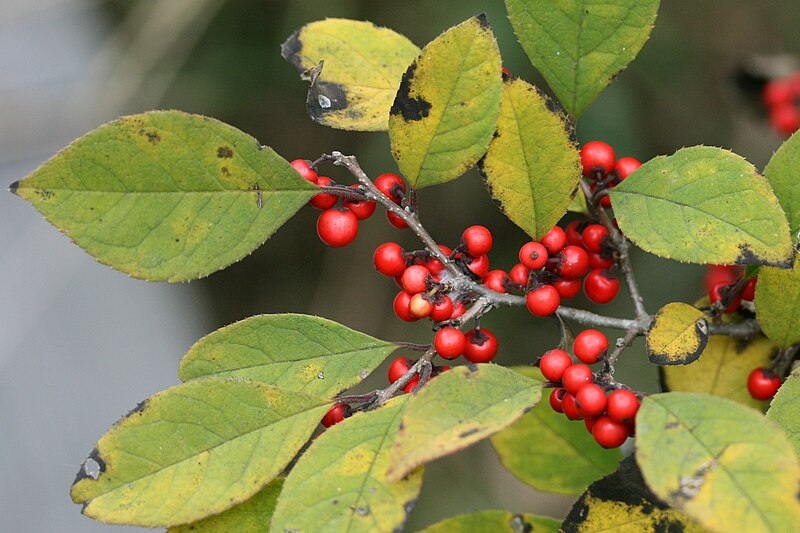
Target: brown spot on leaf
{"x":224,"y":152}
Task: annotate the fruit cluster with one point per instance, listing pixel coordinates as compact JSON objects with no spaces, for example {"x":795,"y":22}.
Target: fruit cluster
{"x":604,"y":170}
{"x":608,"y":417}
{"x":781,"y":97}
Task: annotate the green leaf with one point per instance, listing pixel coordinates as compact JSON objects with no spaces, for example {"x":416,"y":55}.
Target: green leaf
{"x":579,"y":47}
{"x":495,"y":522}
{"x":533,"y":167}
{"x":778,"y":304}
{"x":194,"y":450}
{"x":363,"y":65}
{"x":723,"y":464}
{"x":781,"y":171}
{"x":252,"y":516}
{"x":722,"y":369}
{"x":703,"y":205}
{"x":445,"y":112}
{"x":293,"y":352}
{"x":166,"y":196}
{"x":677,"y":335}
{"x":785,"y":408}
{"x":621,"y":502}
{"x":549,"y":452}
{"x":457,"y":409}
{"x":340,"y":482}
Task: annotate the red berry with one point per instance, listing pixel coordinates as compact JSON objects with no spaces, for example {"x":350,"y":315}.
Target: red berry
{"x":574,"y":232}
{"x":575,"y":377}
{"x":477,"y":240}
{"x":458,"y":309}
{"x":763,"y":383}
{"x":589,"y":344}
{"x":505,"y":72}
{"x":398,"y":368}
{"x":419,"y":306}
{"x":543,"y":301}
{"x":556,"y":399}
{"x":567,"y":288}
{"x":323,"y":200}
{"x":415,"y":279}
{"x":622,"y":406}
{"x":570,"y":408}
{"x":389,"y":259}
{"x":337,"y":227}
{"x":449,"y":343}
{"x":401,"y":302}
{"x":553,"y":364}
{"x":411,"y":385}
{"x":334,"y":415}
{"x":573,"y":263}
{"x":433,"y":264}
{"x":304,"y":168}
{"x":442,"y":308}
{"x":479,"y":265}
{"x":597,"y":157}
{"x":481,"y":346}
{"x":599,"y":261}
{"x":593,"y":236}
{"x":600,"y":286}
{"x":589,"y":423}
{"x":749,"y":290}
{"x":778,"y":92}
{"x":785,"y":118}
{"x":362,"y":209}
{"x":715,"y":294}
{"x":392,"y":186}
{"x":496,"y":280}
{"x":554,"y":240}
{"x":533,"y":255}
{"x":609,"y":434}
{"x":591,"y":400}
{"x":625,"y":166}
{"x":718,"y":273}
{"x":395,"y":220}
{"x":519,"y":274}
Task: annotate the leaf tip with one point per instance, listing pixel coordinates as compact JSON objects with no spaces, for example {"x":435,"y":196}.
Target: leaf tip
{"x":14,"y":186}
{"x":291,"y":48}
{"x":483,"y":21}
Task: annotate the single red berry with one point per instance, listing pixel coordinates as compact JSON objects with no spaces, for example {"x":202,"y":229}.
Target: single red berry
{"x":718,"y":273}
{"x":591,"y":400}
{"x":589,"y":344}
{"x":389,"y":259}
{"x":496,"y":280}
{"x":575,"y":377}
{"x":449,"y":343}
{"x":411,"y":385}
{"x":570,"y":407}
{"x":392,"y":186}
{"x":785,"y":118}
{"x":334,"y":415}
{"x":304,"y":168}
{"x":519,"y":274}
{"x":337,"y":227}
{"x":395,"y":220}
{"x":778,"y":92}
{"x":589,"y":423}
{"x":600,"y":260}
{"x":419,"y":306}
{"x":609,"y":434}
{"x":458,"y":309}
{"x":716,"y":293}
{"x":479,"y":265}
{"x":554,"y":240}
{"x":543,"y":301}
{"x":573,"y":262}
{"x":631,"y":426}
{"x":433,"y":264}
{"x":415,"y":279}
{"x":625,"y":166}
{"x":398,"y":368}
{"x":477,"y":240}
{"x":323,"y":200}
{"x":556,"y":399}
{"x":401,"y":303}
{"x":749,"y":290}
{"x":533,"y":255}
{"x":763,"y":383}
{"x":605,"y":201}
{"x":574,"y":232}
{"x":481,"y":346}
{"x":442,"y":308}
{"x":505,"y":73}
{"x":601,"y":286}
{"x":567,"y":288}
{"x":593,"y":237}
{"x":362,"y":209}
{"x":553,"y":364}
{"x":597,"y":157}
{"x":622,"y":406}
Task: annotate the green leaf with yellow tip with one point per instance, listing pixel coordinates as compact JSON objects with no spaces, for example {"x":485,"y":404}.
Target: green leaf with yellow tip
{"x":496,"y":522}
{"x":622,"y":503}
{"x":251,"y":516}
{"x":785,"y":408}
{"x":457,"y":409}
{"x":781,"y":171}
{"x":340,"y":484}
{"x":533,"y":166}
{"x":165,"y":195}
{"x":295,"y":352}
{"x":703,"y":205}
{"x":778,"y":304}
{"x":361,"y":67}
{"x":194,"y":450}
{"x":723,"y":464}
{"x":581,"y":46}
{"x":445,"y":112}
{"x":677,"y":335}
{"x":551,"y":453}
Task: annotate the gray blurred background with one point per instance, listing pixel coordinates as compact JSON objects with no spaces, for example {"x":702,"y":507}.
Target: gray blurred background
{"x":81,"y":344}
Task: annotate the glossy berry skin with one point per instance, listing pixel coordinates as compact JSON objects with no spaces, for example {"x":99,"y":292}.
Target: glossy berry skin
{"x":449,"y":343}
{"x":415,"y":279}
{"x":409,"y":387}
{"x":481,"y":346}
{"x":554,"y":240}
{"x":593,"y":236}
{"x":575,"y":377}
{"x":337,"y":227}
{"x":716,"y":292}
{"x":395,"y":220}
{"x":622,"y":406}
{"x":567,"y":288}
{"x":596,"y":157}
{"x":398,"y":368}
{"x":419,"y":306}
{"x":389,"y":259}
{"x":553,"y":364}
{"x":609,"y":434}
{"x":570,"y":407}
{"x":625,"y":166}
{"x":392,"y":186}
{"x":588,"y":345}
{"x":556,"y":399}
{"x":533,"y":255}
{"x":749,"y":290}
{"x":763,"y":383}
{"x":519,"y":274}
{"x":442,"y":308}
{"x":599,"y":261}
{"x":574,"y":231}
{"x":302,"y":166}
{"x":323,"y":200}
{"x":574,"y":262}
{"x":477,"y":240}
{"x":543,"y":301}
{"x":401,"y":303}
{"x":363,"y":209}
{"x":458,"y":309}
{"x":591,"y":400}
{"x":479,"y":265}
{"x":433,"y":264}
{"x":496,"y":280}
{"x":334,"y":415}
{"x":600,"y":286}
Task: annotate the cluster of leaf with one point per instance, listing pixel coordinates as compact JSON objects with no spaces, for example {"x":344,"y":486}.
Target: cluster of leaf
{"x":171,"y":196}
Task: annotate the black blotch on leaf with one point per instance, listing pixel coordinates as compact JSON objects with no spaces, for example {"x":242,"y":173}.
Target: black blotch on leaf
{"x":747,"y":257}
{"x":667,"y":526}
{"x":291,"y":48}
{"x":519,"y":525}
{"x":94,"y":455}
{"x":483,"y":21}
{"x":472,"y":367}
{"x":224,"y":152}
{"x":225,"y":171}
{"x":410,"y":109}
{"x":138,"y":409}
{"x":14,"y":186}
{"x":324,"y":97}
{"x":152,"y":136}
{"x":467,"y":433}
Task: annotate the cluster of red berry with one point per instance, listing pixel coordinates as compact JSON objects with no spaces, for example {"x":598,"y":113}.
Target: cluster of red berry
{"x":781,"y":97}
{"x":609,"y":418}
{"x":604,"y":170}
